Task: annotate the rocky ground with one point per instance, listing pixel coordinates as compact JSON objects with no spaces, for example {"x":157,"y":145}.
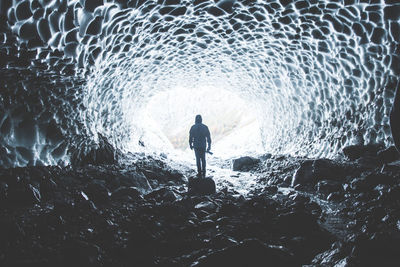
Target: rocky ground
{"x":343,"y":212}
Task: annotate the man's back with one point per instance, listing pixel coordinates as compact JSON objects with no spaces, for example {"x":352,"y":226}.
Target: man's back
{"x":198,"y":134}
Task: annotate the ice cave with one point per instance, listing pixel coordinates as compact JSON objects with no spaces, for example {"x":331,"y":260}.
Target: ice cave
{"x":97,"y":98}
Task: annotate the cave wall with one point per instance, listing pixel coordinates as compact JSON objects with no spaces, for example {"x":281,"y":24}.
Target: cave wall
{"x":322,"y":73}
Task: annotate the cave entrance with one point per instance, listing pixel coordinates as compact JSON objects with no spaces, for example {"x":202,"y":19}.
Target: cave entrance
{"x":232,"y":120}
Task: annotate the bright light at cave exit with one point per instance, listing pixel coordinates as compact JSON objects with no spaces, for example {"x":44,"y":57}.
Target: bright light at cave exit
{"x":231,"y":119}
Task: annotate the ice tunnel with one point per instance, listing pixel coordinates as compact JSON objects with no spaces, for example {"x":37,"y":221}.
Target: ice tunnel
{"x":317,"y":75}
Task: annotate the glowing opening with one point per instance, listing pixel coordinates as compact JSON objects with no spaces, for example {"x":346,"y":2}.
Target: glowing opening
{"x":168,"y":116}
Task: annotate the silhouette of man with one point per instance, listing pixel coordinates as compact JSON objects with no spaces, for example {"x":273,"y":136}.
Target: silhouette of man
{"x":198,"y":136}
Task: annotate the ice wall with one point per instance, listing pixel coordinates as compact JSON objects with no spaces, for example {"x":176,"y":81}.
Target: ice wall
{"x":321,"y":72}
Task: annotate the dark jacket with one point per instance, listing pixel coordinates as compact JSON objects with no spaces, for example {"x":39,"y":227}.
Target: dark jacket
{"x":198,"y":135}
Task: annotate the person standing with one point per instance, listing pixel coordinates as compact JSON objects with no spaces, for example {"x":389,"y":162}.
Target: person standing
{"x":199,"y":139}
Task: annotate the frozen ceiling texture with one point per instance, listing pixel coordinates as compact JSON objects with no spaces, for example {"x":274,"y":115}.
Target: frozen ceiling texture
{"x":320,"y":74}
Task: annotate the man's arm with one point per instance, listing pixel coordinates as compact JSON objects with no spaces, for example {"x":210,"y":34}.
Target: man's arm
{"x":191,"y":138}
{"x":208,"y":139}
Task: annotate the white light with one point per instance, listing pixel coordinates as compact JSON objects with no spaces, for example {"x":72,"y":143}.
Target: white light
{"x":168,"y":116}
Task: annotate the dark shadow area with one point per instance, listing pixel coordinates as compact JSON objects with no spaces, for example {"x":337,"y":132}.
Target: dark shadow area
{"x":301,"y":211}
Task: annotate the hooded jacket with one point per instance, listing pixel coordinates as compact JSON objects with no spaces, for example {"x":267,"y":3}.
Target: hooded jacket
{"x":199,"y":135}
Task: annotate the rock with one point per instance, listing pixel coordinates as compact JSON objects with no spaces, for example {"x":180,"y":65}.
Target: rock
{"x":329,"y":257}
{"x":97,"y":191}
{"x":163,"y":194}
{"x":141,"y":247}
{"x":24,"y":194}
{"x":370,"y":181}
{"x":312,"y":171}
{"x":327,"y":187}
{"x":80,"y":253}
{"x":354,"y":152}
{"x":3,"y":191}
{"x":47,"y":187}
{"x":136,"y":179}
{"x":266,"y":156}
{"x":358,"y":185}
{"x":304,"y":174}
{"x":393,"y":167}
{"x":245,"y":163}
{"x":299,"y":199}
{"x":228,"y":209}
{"x":164,"y":176}
{"x":84,"y":204}
{"x":63,"y":205}
{"x":11,"y":228}
{"x":201,"y":186}
{"x":176,"y":176}
{"x":388,"y":155}
{"x":271,"y":189}
{"x":335,"y":196}
{"x":368,"y":162}
{"x":126,"y":193}
{"x":207,"y":223}
{"x":297,"y":222}
{"x":394,"y":194}
{"x":207,"y":206}
{"x":384,"y":247}
{"x":220,"y":241}
{"x":328,"y":169}
{"x":112,"y":182}
{"x":250,"y":252}
{"x":95,"y":153}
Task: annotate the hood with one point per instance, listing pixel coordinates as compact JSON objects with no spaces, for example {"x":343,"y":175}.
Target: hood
{"x":198,"y":119}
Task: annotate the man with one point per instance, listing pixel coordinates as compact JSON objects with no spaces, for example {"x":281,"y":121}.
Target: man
{"x":198,"y":136}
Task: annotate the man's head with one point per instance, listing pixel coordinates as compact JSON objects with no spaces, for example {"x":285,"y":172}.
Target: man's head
{"x":198,"y":119}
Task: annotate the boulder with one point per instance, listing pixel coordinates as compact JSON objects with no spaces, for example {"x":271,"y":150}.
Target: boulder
{"x":83,"y":204}
{"x":329,"y":257}
{"x":136,"y":179}
{"x":249,"y":252}
{"x":327,"y":187}
{"x":328,"y":169}
{"x":388,"y":155}
{"x":164,"y":176}
{"x":97,"y":191}
{"x":297,"y":222}
{"x":24,"y":194}
{"x":162,"y":195}
{"x":63,"y":205}
{"x":221,"y":241}
{"x":384,"y":247}
{"x":3,"y":191}
{"x":354,"y":152}
{"x":304,"y":174}
{"x":47,"y":187}
{"x":207,"y":206}
{"x":80,"y":253}
{"x":245,"y":163}
{"x":126,"y":193}
{"x":335,"y":196}
{"x":95,"y":153}
{"x":266,"y":156}
{"x":370,"y":181}
{"x":201,"y":186}
{"x":312,"y":171}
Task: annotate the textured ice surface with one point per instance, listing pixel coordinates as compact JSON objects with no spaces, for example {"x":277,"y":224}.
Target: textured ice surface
{"x":322,"y":72}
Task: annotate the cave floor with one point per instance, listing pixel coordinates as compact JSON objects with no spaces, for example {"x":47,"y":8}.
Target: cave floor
{"x":140,"y":214}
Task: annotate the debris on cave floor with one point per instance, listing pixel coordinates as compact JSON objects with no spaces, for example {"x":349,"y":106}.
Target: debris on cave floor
{"x":343,"y":212}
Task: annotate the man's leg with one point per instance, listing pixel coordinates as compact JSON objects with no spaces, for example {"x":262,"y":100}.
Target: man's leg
{"x":203,"y":162}
{"x":198,"y":156}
